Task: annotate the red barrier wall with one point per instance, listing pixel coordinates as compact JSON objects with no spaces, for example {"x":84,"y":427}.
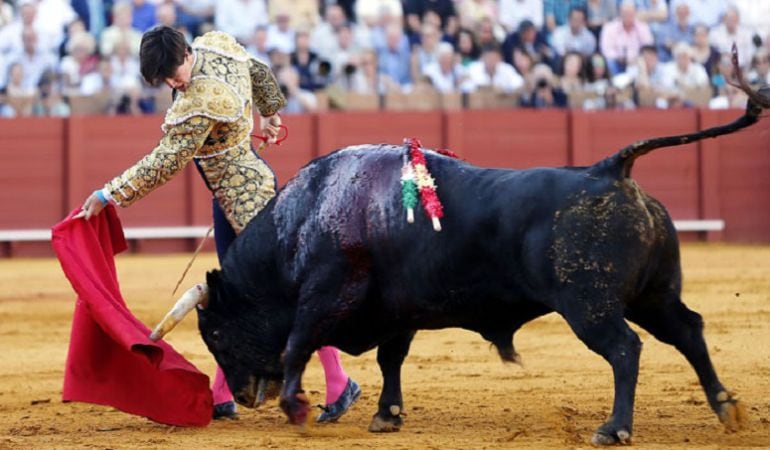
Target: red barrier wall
{"x":49,"y":166}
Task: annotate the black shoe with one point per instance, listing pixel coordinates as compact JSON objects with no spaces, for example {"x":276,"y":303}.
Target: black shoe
{"x":335,"y":410}
{"x":225,"y":410}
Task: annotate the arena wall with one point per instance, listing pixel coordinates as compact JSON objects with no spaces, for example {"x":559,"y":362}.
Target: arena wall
{"x":48,"y":166}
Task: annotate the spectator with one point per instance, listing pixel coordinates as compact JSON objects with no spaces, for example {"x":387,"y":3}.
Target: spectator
{"x":323,"y":38}
{"x":371,"y":12}
{"x":676,"y":31}
{"x":80,"y":60}
{"x":444,"y":73}
{"x":727,"y":95}
{"x":6,"y":17}
{"x":394,"y":58}
{"x":622,"y":38}
{"x":532,"y":42}
{"x":303,"y":14}
{"x":556,"y":12}
{"x":347,"y":47}
{"x":50,"y":102}
{"x":239,"y":18}
{"x":281,"y":34}
{"x":415,"y":11}
{"x":472,"y":12}
{"x":143,"y":17}
{"x":192,"y":14}
{"x":546,"y":94}
{"x":165,"y":14}
{"x":16,"y":86}
{"x":598,"y":74}
{"x":491,"y":71}
{"x":53,"y":16}
{"x":125,"y":68}
{"x":730,"y":32}
{"x":6,"y":110}
{"x":467,"y":47}
{"x":93,"y":14}
{"x":306,"y":63}
{"x":11,"y":35}
{"x":760,"y":68}
{"x":754,"y":15}
{"x":598,"y":13}
{"x":513,"y":12}
{"x":703,"y":52}
{"x":258,"y":44}
{"x":486,"y":33}
{"x":361,"y":75}
{"x":707,"y":12}
{"x":427,"y":51}
{"x":34,"y":60}
{"x":612,"y":98}
{"x":683,"y":74}
{"x":524,"y":65}
{"x":120,"y":30}
{"x":100,"y":81}
{"x":298,"y":100}
{"x":573,"y":73}
{"x":574,"y":36}
{"x":652,"y":12}
{"x":647,"y":74}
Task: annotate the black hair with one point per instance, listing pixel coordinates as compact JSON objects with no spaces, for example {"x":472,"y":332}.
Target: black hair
{"x":161,"y":53}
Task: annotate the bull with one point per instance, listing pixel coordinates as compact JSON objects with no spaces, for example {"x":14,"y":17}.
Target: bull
{"x":331,"y":260}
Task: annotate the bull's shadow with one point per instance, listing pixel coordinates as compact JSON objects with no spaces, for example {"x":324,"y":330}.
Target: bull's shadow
{"x":332,"y":260}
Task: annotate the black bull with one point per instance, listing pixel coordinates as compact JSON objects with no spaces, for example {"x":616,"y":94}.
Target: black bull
{"x":332,"y":261}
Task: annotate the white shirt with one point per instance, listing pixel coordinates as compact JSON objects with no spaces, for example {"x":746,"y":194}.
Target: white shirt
{"x":444,"y":82}
{"x":755,"y":14}
{"x":505,"y":77}
{"x":707,"y":12}
{"x":283,"y":41}
{"x":673,"y":78}
{"x":564,"y":41}
{"x":240,"y":17}
{"x":512,"y":12}
{"x":723,"y":41}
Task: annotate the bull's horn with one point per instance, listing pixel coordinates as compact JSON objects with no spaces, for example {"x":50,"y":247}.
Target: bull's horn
{"x":198,"y":294}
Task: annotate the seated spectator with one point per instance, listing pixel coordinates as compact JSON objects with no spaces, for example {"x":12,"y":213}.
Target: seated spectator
{"x":426,"y":52}
{"x":372,"y":12}
{"x":572,"y":77}
{"x":281,"y":34}
{"x":394,"y":58}
{"x":674,"y":32}
{"x":33,"y":59}
{"x":306,"y":63}
{"x":524,"y":65}
{"x":143,"y":17}
{"x":49,"y":102}
{"x":574,"y":36}
{"x":683,"y":74}
{"x":101,"y":81}
{"x":491,"y":71}
{"x":622,"y":38}
{"x":52,"y":19}
{"x":754,"y":15}
{"x":487,"y":33}
{"x":257,"y":46}
{"x":647,"y":73}
{"x":125,"y":68}
{"x":652,"y":12}
{"x":323,"y":38}
{"x":546,"y":93}
{"x":415,"y":10}
{"x":513,"y":12}
{"x":612,"y":98}
{"x":16,"y":85}
{"x":6,"y":110}
{"x":239,"y":18}
{"x":11,"y":35}
{"x":704,"y":53}
{"x":303,"y":14}
{"x":556,"y":12}
{"x":120,"y":30}
{"x":445,"y":74}
{"x":80,"y":60}
{"x":730,"y":32}
{"x":726,"y":95}
{"x":93,"y":14}
{"x":598,"y":13}
{"x":467,"y":47}
{"x":165,"y":14}
{"x":192,"y":14}
{"x":529,"y":40}
{"x":298,"y":100}
{"x":760,"y":68}
{"x":361,"y":75}
{"x":472,"y":12}
{"x":706,"y":12}
{"x":597,"y":73}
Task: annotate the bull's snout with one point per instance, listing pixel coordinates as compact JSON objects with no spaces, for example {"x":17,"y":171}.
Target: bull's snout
{"x":257,"y":392}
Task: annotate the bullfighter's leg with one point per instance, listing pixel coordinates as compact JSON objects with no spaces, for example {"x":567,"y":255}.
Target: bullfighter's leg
{"x":390,"y":357}
{"x":341,"y":390}
{"x":604,"y":331}
{"x":670,"y":321}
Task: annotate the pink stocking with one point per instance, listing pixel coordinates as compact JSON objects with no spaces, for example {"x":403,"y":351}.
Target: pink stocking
{"x":220,"y":390}
{"x":336,"y":378}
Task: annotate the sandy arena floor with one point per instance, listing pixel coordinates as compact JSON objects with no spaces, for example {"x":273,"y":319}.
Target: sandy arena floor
{"x":457,"y":393}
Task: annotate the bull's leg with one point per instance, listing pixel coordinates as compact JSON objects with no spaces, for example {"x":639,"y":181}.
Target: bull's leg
{"x":390,"y":356}
{"x":605,"y":332}
{"x":298,"y":350}
{"x":670,"y":321}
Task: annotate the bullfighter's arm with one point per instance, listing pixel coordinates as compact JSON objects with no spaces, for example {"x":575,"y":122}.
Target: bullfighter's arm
{"x":266,"y":93}
{"x":175,"y":150}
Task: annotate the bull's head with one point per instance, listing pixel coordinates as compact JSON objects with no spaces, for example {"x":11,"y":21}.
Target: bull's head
{"x":245,"y":334}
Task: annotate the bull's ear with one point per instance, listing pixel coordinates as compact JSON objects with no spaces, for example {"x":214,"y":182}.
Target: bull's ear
{"x":213,"y":281}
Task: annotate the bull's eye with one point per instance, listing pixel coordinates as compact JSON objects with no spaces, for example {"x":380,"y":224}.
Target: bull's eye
{"x":216,"y":336}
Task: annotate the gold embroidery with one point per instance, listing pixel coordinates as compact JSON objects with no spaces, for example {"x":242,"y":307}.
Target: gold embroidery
{"x":266,"y":92}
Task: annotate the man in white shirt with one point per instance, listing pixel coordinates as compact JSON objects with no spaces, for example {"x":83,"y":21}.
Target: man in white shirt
{"x":445,"y":74}
{"x":512,"y":12}
{"x":707,"y":12}
{"x":574,"y":35}
{"x":240,"y":17}
{"x":732,"y":31}
{"x":683,"y":73}
{"x":491,"y":71}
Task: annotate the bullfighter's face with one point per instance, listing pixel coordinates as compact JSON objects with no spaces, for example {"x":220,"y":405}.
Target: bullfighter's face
{"x":245,"y":342}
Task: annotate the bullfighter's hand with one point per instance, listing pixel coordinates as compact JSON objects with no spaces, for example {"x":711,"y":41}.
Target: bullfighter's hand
{"x":92,"y":207}
{"x":271,"y":126}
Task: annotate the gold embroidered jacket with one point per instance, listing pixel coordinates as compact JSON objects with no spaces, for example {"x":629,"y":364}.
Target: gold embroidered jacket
{"x":212,"y":122}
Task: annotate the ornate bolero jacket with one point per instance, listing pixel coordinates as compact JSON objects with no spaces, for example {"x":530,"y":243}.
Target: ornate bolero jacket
{"x":211,"y":121}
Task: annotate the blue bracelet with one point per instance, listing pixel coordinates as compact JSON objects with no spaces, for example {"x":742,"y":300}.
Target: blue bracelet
{"x":100,"y":195}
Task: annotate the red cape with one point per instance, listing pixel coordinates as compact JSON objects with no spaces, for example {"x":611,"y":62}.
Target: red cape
{"x":111,"y":360}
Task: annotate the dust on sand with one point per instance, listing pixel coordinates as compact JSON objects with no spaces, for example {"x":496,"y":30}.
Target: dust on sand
{"x":457,"y":393}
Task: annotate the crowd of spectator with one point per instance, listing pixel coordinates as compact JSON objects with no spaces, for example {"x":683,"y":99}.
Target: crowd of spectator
{"x":590,"y":54}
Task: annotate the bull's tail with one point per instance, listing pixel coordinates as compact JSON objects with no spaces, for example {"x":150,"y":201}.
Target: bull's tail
{"x":758,"y":100}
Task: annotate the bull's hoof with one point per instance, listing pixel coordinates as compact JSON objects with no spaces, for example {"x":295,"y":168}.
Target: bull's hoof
{"x":385,"y":424}
{"x":296,"y":408}
{"x":603,"y":437}
{"x":731,"y":412}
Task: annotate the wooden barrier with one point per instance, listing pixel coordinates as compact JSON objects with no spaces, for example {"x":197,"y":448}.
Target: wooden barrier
{"x":49,"y":166}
